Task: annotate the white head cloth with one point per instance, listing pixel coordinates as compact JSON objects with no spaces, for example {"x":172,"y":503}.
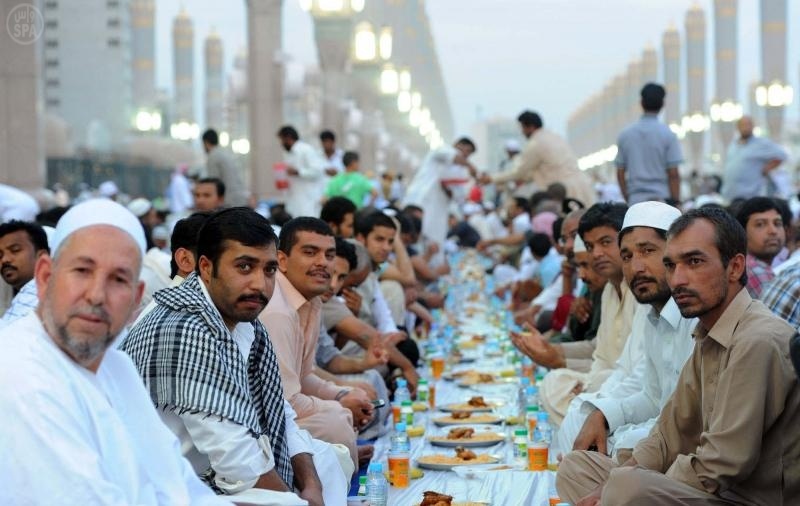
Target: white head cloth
{"x":107,"y":189}
{"x":512,"y":145}
{"x":579,"y":246}
{"x":139,"y":207}
{"x":650,"y":214}
{"x":98,"y":212}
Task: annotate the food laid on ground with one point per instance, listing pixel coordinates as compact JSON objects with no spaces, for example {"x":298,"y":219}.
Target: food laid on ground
{"x":415,"y":431}
{"x":460,"y":417}
{"x":468,"y":437}
{"x":474,"y":404}
{"x":419,"y":406}
{"x":462,"y":457}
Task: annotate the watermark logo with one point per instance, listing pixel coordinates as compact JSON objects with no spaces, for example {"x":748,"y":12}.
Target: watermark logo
{"x":25,"y":24}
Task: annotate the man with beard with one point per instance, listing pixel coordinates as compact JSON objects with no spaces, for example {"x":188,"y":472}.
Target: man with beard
{"x":21,"y":245}
{"x":764,"y":220}
{"x":210,"y":369}
{"x":306,"y":252}
{"x":78,"y":426}
{"x":728,"y":435}
{"x":624,"y":409}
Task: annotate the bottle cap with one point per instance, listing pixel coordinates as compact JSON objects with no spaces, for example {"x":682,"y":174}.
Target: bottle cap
{"x":400,"y":427}
{"x":422,"y":381}
{"x":375,"y":467}
{"x":401,"y":382}
{"x":525,"y":381}
{"x":521,"y":432}
{"x":362,"y":480}
{"x":532,"y":409}
{"x":405,"y":403}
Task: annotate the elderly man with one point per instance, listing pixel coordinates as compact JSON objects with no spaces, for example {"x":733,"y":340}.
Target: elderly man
{"x":729,"y":433}
{"x":242,"y":438}
{"x":749,"y":162}
{"x":80,"y":428}
{"x":624,"y":409}
{"x":21,"y":244}
{"x":306,"y":252}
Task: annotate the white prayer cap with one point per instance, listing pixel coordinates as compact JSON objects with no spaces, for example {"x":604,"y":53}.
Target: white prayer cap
{"x":98,"y":212}
{"x":50,"y":232}
{"x":160,"y":232}
{"x":107,"y":189}
{"x":512,"y":145}
{"x":488,"y":205}
{"x":650,"y":214}
{"x":471,"y":208}
{"x":578,"y":246}
{"x":139,"y":207}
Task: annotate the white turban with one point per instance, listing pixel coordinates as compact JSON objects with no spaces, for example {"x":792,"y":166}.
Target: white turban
{"x":98,"y":212}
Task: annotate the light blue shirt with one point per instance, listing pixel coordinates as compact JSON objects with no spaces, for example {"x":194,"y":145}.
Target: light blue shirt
{"x":645,"y":150}
{"x":744,"y":167}
{"x":24,"y":302}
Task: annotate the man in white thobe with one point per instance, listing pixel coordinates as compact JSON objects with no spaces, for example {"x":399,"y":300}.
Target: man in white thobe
{"x":306,"y":171}
{"x":80,"y":428}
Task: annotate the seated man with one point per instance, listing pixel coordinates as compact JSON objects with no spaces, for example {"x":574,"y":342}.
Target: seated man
{"x":305,"y":260}
{"x":211,"y":370}
{"x":764,"y":220}
{"x":729,"y":433}
{"x":624,"y":409}
{"x":339,"y":213}
{"x":78,"y":426}
{"x":21,"y":245}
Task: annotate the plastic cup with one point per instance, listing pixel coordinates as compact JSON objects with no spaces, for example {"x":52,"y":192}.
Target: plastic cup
{"x":399,"y":470}
{"x":432,"y":395}
{"x":437,"y":367}
{"x":537,"y":457}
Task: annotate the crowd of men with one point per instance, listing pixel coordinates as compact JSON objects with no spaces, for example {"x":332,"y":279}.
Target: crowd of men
{"x":218,"y":354}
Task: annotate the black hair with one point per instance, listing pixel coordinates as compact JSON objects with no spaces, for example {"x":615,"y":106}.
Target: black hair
{"x":556,"y":228}
{"x":327,"y":135}
{"x":210,"y":136}
{"x":523,"y":204}
{"x":289,"y":231}
{"x":335,"y":209}
{"x":288,"y":131}
{"x":652,"y":97}
{"x":365,"y":224}
{"x":539,"y":244}
{"x":729,"y":235}
{"x":659,"y":231}
{"x":347,"y":251}
{"x":717,"y":183}
{"x":406,"y":224}
{"x":537,"y":198}
{"x":216,"y":182}
{"x":240,"y":224}
{"x":602,"y":214}
{"x":760,"y":205}
{"x":51,"y":216}
{"x":35,"y":232}
{"x":557,"y":191}
{"x":468,"y":142}
{"x":184,"y":235}
{"x":349,"y":157}
{"x":530,"y":118}
{"x":411,"y":208}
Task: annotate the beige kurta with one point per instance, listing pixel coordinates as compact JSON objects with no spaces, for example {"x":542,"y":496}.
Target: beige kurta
{"x":616,"y":316}
{"x":293,"y":325}
{"x":545,"y":159}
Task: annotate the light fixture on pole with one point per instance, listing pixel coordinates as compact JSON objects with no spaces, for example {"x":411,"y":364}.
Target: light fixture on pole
{"x":332,"y":7}
{"x":775,"y":94}
{"x":725,"y":112}
{"x":390,"y":80}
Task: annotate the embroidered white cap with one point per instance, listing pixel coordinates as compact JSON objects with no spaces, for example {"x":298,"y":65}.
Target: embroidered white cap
{"x":579,"y":246}
{"x":651,"y":214}
{"x":98,"y":212}
{"x":139,"y":207}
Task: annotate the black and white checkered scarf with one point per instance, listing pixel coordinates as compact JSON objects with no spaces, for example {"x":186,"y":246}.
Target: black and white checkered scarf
{"x":190,"y":362}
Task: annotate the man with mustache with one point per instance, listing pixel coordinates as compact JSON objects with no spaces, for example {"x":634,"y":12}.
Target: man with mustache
{"x":728,"y":435}
{"x":306,"y":252}
{"x":764,"y":219}
{"x":624,"y":409}
{"x":78,"y":426}
{"x":210,"y":368}
{"x":21,"y":245}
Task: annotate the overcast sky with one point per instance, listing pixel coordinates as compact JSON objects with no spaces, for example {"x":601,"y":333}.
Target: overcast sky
{"x":502,"y":56}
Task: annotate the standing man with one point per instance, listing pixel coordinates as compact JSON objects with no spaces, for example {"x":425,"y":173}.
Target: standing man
{"x":545,"y":159}
{"x":80,"y":428}
{"x":648,"y":154}
{"x":729,"y":433}
{"x":332,"y":154}
{"x":306,"y":172}
{"x":351,"y":183}
{"x":210,"y":368}
{"x":21,"y":245}
{"x":221,"y":165}
{"x":764,"y":223}
{"x":306,"y":252}
{"x":749,"y":161}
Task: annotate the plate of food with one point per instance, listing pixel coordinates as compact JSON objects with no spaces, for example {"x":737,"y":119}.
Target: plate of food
{"x":466,"y":417}
{"x":473,"y":378}
{"x":430,"y":498}
{"x":460,"y":457}
{"x":468,"y":437}
{"x":475,"y":404}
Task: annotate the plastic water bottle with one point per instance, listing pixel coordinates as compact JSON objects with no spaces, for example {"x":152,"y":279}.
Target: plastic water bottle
{"x":522,"y":401}
{"x":532,"y":396}
{"x":544,"y":433}
{"x":401,"y":393}
{"x":520,"y":447}
{"x":422,"y":390}
{"x":377,"y":486}
{"x":400,"y":441}
{"x":362,"y":486}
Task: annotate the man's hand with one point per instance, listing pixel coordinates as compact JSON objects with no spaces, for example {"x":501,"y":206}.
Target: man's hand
{"x":313,"y":495}
{"x":485,"y":179}
{"x":393,"y":338}
{"x":375,"y":354}
{"x":581,"y":309}
{"x":352,"y":300}
{"x":431,"y":249}
{"x":577,"y":389}
{"x":483,"y":244}
{"x":330,"y":171}
{"x":527,"y":315}
{"x":593,"y":498}
{"x":533,"y":345}
{"x":357,"y":401}
{"x":292,"y":171}
{"x":411,"y":376}
{"x":593,"y":433}
{"x":366,"y":387}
